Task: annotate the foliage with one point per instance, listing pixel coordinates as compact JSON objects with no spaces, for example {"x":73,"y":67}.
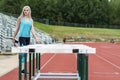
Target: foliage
{"x":74,"y":11}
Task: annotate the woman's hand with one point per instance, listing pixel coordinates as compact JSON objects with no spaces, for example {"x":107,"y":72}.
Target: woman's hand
{"x":37,"y":41}
{"x":13,"y":40}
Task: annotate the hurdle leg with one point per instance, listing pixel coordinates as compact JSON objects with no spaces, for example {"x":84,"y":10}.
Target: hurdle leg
{"x":86,"y":65}
{"x":20,"y":66}
{"x":33,"y":64}
{"x":25,"y":66}
{"x":82,"y":66}
{"x":29,"y":66}
{"x":37,"y":62}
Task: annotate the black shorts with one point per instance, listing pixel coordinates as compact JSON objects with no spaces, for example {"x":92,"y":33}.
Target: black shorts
{"x":24,"y":41}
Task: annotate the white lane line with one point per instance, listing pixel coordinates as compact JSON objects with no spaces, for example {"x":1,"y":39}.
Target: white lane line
{"x":108,"y":62}
{"x":75,"y":56}
{"x":112,"y":53}
{"x":116,"y":73}
{"x":47,"y":62}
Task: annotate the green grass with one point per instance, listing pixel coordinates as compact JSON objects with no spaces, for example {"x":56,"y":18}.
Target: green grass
{"x":59,"y":32}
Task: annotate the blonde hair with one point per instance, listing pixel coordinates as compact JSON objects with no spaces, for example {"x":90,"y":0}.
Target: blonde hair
{"x":22,"y":13}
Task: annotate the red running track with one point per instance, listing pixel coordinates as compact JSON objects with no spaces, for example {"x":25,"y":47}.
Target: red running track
{"x":105,"y":64}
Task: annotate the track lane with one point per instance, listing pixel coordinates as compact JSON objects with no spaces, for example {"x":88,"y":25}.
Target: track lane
{"x":62,"y":63}
{"x":105,"y":64}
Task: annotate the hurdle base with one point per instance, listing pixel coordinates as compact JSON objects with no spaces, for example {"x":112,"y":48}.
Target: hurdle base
{"x":70,"y":76}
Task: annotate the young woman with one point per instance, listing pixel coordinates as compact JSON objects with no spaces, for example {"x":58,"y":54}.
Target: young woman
{"x":24,"y":26}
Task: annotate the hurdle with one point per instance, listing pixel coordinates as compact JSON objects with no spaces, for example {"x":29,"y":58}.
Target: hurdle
{"x":35,"y":51}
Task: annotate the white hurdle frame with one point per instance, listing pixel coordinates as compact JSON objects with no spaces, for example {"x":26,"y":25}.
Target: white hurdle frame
{"x":82,"y":50}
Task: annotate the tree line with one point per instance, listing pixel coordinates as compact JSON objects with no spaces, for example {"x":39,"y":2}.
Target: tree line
{"x":102,"y":12}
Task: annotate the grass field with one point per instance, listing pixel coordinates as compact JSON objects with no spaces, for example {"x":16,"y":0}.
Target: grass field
{"x":59,"y":32}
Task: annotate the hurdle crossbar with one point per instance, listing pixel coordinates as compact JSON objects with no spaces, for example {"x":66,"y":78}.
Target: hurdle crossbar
{"x":55,"y":48}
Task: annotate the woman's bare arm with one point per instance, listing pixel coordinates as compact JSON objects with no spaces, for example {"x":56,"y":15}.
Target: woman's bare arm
{"x":34,"y":33}
{"x":17,"y":28}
